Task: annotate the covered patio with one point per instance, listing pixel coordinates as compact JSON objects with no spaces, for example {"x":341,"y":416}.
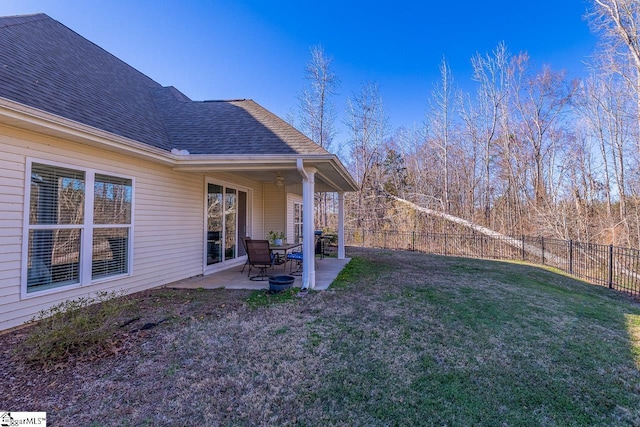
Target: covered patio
{"x":327,"y":269}
{"x":284,"y":203}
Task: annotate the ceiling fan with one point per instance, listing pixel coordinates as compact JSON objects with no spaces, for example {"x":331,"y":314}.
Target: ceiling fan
{"x":279,"y":181}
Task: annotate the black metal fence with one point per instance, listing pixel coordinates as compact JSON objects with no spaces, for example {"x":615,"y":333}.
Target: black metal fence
{"x":606,"y":265}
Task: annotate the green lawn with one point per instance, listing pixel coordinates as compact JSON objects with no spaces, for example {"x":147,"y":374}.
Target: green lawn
{"x":400,"y":339}
{"x":449,"y":341}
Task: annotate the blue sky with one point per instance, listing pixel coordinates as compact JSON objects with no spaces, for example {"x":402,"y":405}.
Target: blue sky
{"x":223,"y":49}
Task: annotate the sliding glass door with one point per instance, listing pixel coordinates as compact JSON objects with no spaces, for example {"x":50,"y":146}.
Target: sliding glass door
{"x":226,"y":222}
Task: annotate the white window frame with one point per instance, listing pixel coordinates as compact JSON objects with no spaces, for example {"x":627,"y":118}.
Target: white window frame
{"x":292,"y":200}
{"x":297,"y":224}
{"x":86,"y":239}
{"x":210,"y":268}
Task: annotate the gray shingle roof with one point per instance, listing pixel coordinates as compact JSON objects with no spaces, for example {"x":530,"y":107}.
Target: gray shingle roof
{"x":228,"y":127}
{"x":45,"y":65}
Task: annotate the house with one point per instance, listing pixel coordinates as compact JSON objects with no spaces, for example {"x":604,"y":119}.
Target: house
{"x":111,"y":181}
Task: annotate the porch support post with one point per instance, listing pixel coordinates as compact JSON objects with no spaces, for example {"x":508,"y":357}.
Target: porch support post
{"x":341,"y":225}
{"x":308,"y":235}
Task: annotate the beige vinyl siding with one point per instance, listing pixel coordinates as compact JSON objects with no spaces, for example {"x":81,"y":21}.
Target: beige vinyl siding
{"x":257,"y":214}
{"x":275,"y":203}
{"x":11,"y":202}
{"x":168,"y":237}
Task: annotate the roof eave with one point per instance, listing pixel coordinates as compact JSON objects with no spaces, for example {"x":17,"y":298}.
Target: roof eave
{"x":32,"y":119}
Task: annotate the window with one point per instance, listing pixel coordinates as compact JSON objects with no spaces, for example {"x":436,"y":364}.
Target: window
{"x":297,"y":222}
{"x":78,"y":228}
{"x":112,"y":221}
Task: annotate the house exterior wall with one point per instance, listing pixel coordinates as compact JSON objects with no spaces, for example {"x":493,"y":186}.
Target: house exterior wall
{"x":168,"y":219}
{"x":274,"y":210}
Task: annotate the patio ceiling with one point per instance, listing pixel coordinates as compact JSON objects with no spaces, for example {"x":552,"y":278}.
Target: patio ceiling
{"x":331,"y":174}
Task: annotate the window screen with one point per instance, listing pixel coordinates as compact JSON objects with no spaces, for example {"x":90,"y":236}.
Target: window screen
{"x":111,"y":207}
{"x":56,"y":204}
{"x":58,"y":234}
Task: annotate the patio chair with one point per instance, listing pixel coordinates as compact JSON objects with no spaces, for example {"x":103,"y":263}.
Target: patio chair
{"x":244,"y":244}
{"x":259,"y":256}
{"x":297,"y":257}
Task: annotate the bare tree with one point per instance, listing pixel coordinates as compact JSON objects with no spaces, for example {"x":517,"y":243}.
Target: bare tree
{"x":587,"y":203}
{"x":484,"y":115}
{"x":317,"y":112}
{"x":593,"y":110}
{"x":367,"y":124}
{"x":618,"y":22}
{"x":540,"y":100}
{"x":439,"y":126}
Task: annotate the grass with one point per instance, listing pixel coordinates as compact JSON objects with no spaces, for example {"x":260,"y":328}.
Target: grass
{"x":399,"y":339}
{"x":262,"y":298}
{"x":359,"y":271}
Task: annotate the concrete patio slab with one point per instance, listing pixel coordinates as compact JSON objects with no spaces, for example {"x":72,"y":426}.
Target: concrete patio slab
{"x":327,"y":269}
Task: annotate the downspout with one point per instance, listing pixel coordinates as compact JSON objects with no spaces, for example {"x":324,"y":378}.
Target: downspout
{"x":308,"y":249}
{"x":303,"y":173}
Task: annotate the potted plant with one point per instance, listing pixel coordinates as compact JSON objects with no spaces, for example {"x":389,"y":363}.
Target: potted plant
{"x":277,"y":237}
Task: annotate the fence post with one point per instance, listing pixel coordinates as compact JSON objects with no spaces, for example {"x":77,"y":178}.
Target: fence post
{"x":413,"y":240}
{"x":384,"y":239}
{"x":570,"y":256}
{"x":363,"y":237}
{"x":524,"y":255}
{"x":610,"y":266}
{"x":542,"y":244}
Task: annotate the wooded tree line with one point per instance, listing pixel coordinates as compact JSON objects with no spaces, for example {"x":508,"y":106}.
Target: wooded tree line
{"x":532,"y":151}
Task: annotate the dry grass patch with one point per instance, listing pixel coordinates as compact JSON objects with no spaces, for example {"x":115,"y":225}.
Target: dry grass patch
{"x":400,"y":339}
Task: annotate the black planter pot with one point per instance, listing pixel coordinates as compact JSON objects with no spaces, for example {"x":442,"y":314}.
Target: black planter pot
{"x":280,"y":283}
